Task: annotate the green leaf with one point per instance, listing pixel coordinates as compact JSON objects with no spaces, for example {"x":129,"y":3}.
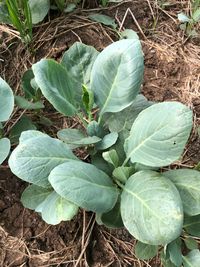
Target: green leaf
{"x":145,"y":251}
{"x":70,"y":7}
{"x":175,"y":254}
{"x":191,"y":243}
{"x":21,"y":102}
{"x":84,"y":185}
{"x":192,"y":225}
{"x":159,"y":134}
{"x":27,"y":84}
{"x":6,"y":101}
{"x":129,"y":34}
{"x":111,"y":157}
{"x":188,"y":184}
{"x":112,"y":219}
{"x":52,"y":207}
{"x":148,"y":219}
{"x":23,"y":124}
{"x":108,"y":141}
{"x":196,"y":15}
{"x":166,"y":260}
{"x":78,"y":62}
{"x":94,"y":129}
{"x":4,"y":149}
{"x":192,"y":259}
{"x":124,"y":119}
{"x":183,"y":18}
{"x":98,"y":161}
{"x":27,"y":135}
{"x":87,"y":98}
{"x":123,"y":173}
{"x":103,"y":19}
{"x":35,"y":158}
{"x":39,"y":9}
{"x":54,"y":82}
{"x":117,"y":75}
{"x":4,"y":14}
{"x":76,"y":137}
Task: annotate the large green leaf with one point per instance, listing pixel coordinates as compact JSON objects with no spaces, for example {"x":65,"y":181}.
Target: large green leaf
{"x":84,"y":185}
{"x":146,"y":217}
{"x":76,"y":137}
{"x":159,"y":134}
{"x":175,"y":254}
{"x":39,"y":9}
{"x":192,"y":259}
{"x":6,"y":101}
{"x":78,"y":61}
{"x":55,"y":84}
{"x":124,"y":119}
{"x":117,"y":75}
{"x":34,"y":159}
{"x":52,"y":207}
{"x":188,"y":184}
{"x":4,"y":149}
{"x":192,"y":225}
{"x":145,"y":251}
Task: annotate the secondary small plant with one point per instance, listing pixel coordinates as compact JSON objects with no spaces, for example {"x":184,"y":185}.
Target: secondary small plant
{"x":129,"y":140}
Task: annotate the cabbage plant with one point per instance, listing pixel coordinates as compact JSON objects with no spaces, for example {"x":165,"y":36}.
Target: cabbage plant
{"x":6,"y":108}
{"x":129,"y":141}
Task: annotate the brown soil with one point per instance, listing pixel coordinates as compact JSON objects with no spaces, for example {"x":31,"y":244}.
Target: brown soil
{"x":172,"y":72}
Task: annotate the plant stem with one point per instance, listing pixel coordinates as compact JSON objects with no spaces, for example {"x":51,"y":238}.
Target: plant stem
{"x":119,"y":184}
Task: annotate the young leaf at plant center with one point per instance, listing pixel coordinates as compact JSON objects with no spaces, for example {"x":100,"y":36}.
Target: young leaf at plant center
{"x":52,"y":207}
{"x":175,"y":254}
{"x":124,"y":119}
{"x":112,"y":219}
{"x":88,"y":100}
{"x":188,"y":184}
{"x":4,"y":149}
{"x":6,"y":101}
{"x":129,"y":34}
{"x":192,"y":225}
{"x":123,"y":173}
{"x":192,"y":259}
{"x":23,"y":124}
{"x":159,"y":134}
{"x":32,"y":164}
{"x":147,"y":218}
{"x":103,"y":19}
{"x":117,"y":75}
{"x":76,"y":137}
{"x":27,"y":85}
{"x":191,"y":243}
{"x":84,"y":185}
{"x":39,"y":9}
{"x":55,"y":83}
{"x":21,"y":102}
{"x":78,"y":61}
{"x":94,"y":129}
{"x":145,"y":251}
{"x":111,"y":157}
{"x":108,"y":141}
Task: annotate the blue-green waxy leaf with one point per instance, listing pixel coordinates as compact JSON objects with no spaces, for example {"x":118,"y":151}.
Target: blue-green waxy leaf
{"x":124,"y":119}
{"x":55,"y":83}
{"x":192,"y":259}
{"x":78,"y":62}
{"x":34,"y":159}
{"x":52,"y":207}
{"x":145,"y":251}
{"x":192,"y":225}
{"x":4,"y":149}
{"x":27,"y":87}
{"x":84,"y":185}
{"x":191,"y":243}
{"x":94,"y":129}
{"x":129,"y":34}
{"x":104,"y":19}
{"x":111,"y":157}
{"x":76,"y":137}
{"x":117,"y":75}
{"x":188,"y":184}
{"x":196,"y":15}
{"x":182,"y":17}
{"x":21,"y":102}
{"x":148,"y":219}
{"x":6,"y":101}
{"x":175,"y":254}
{"x":159,"y":134}
{"x":123,"y":173}
{"x":108,"y":141}
{"x":39,"y":9}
